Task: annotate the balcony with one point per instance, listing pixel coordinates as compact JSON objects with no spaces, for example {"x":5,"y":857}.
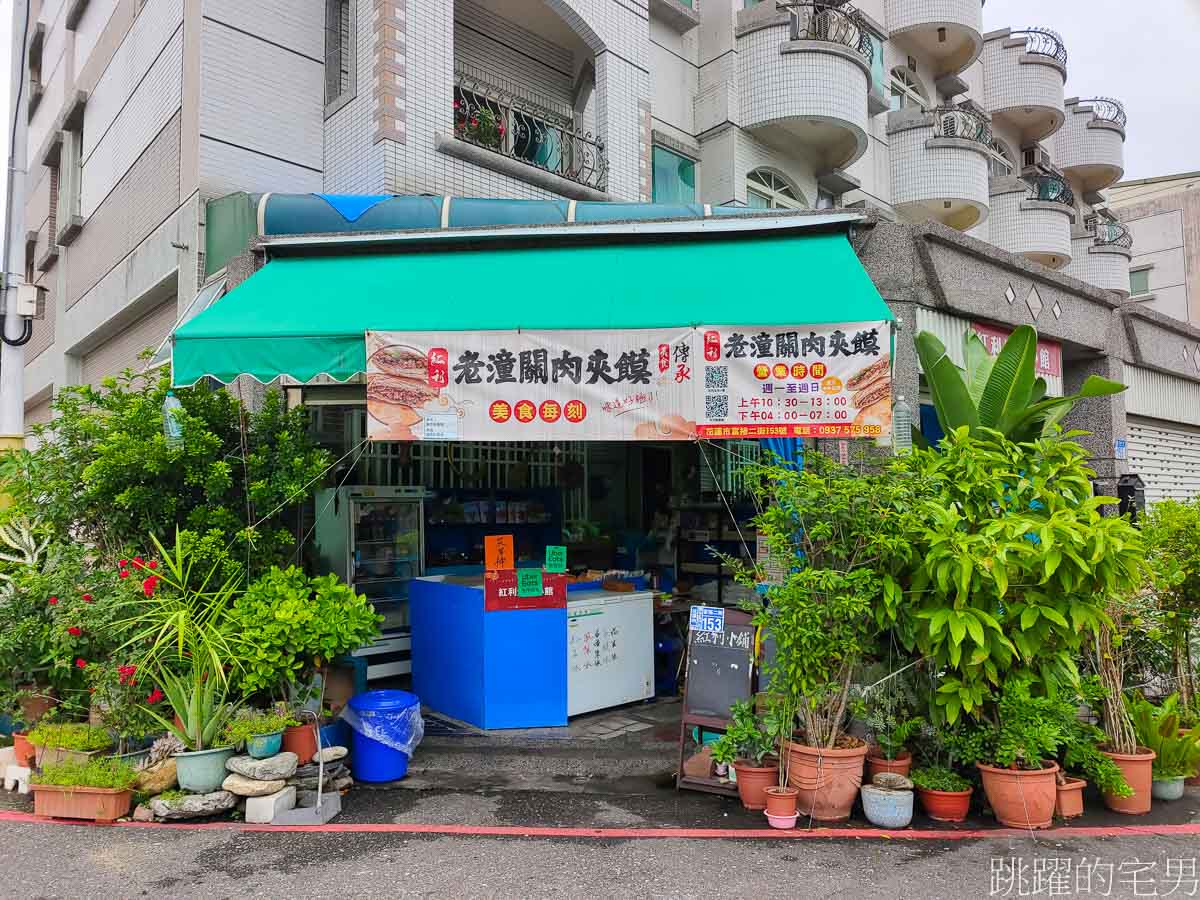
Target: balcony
{"x":1101,"y":254}
{"x":1024,"y":75}
{"x":1090,"y":148}
{"x":1032,"y":217}
{"x":949,"y":32}
{"x":528,"y":134}
{"x":940,"y":165}
{"x":804,"y":72}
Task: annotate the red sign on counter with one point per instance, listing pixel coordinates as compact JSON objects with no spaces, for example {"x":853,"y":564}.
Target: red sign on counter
{"x":500,"y":592}
{"x":1047,"y":360}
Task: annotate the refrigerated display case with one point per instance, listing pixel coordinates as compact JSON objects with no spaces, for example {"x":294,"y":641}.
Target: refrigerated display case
{"x":374,"y":539}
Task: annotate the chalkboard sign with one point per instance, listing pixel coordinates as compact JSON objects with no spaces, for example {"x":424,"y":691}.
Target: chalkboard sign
{"x":720,"y":665}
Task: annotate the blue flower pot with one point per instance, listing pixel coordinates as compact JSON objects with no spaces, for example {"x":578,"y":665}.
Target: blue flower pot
{"x":202,"y":771}
{"x":262,"y":746}
{"x":887,"y":809}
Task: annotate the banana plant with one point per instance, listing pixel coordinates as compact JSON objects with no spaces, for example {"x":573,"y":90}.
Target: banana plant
{"x":1002,"y":393}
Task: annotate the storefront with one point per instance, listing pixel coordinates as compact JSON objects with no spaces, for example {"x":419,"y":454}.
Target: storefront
{"x":597,"y":388}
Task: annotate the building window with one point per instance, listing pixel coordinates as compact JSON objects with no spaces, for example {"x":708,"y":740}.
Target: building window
{"x":674,"y":177}
{"x":766,"y":190}
{"x":70,"y":185}
{"x":340,"y":55}
{"x":1139,"y":282}
{"x":999,"y":160}
{"x":906,"y":91}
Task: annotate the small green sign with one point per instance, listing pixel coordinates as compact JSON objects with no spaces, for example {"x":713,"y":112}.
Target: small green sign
{"x":556,"y":559}
{"x":529,"y":583}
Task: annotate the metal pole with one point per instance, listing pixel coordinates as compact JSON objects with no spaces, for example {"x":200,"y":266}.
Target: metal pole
{"x":12,"y":358}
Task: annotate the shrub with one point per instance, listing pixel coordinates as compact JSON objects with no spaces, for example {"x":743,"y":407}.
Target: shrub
{"x":70,"y":736}
{"x":98,"y":773}
{"x":939,"y":778}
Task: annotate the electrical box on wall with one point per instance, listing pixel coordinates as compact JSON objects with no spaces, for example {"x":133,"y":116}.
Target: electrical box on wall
{"x":30,"y":300}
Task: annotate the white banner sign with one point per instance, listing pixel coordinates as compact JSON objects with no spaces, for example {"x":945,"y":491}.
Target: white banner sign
{"x":631,"y":385}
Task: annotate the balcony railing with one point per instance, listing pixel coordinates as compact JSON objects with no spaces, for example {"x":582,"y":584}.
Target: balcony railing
{"x":1106,"y":109}
{"x":501,"y":120}
{"x":821,"y":21}
{"x":1044,"y":42}
{"x":1111,"y":234}
{"x":952,"y":122}
{"x":1050,"y":189}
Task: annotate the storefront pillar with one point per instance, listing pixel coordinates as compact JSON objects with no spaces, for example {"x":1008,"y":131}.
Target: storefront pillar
{"x":1102,"y":417}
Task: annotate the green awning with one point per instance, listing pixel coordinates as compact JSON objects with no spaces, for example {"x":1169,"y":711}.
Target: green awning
{"x":306,"y":316}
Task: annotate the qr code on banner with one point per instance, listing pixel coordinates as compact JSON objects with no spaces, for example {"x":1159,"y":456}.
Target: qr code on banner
{"x":716,"y":407}
{"x":716,"y":378}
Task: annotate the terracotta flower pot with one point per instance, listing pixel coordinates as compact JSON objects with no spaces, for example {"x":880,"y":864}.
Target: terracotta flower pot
{"x":753,"y":781}
{"x":25,"y":751}
{"x":1068,"y":801}
{"x":877,"y":762}
{"x":301,"y":740}
{"x":828,"y":780}
{"x":1138,"y":771}
{"x":97,"y":804}
{"x":1021,"y":798}
{"x":781,"y":802}
{"x":945,"y":806}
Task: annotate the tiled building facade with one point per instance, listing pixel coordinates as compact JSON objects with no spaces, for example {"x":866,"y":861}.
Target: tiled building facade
{"x":148,"y":108}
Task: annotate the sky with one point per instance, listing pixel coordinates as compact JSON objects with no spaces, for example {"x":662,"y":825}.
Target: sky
{"x":1147,"y":61}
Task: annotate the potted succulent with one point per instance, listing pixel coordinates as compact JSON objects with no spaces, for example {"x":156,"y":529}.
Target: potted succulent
{"x":1176,"y":752}
{"x":99,"y":790}
{"x":944,"y":794}
{"x":746,"y":746}
{"x":260,"y":732}
{"x":202,"y":708}
{"x":57,"y":743}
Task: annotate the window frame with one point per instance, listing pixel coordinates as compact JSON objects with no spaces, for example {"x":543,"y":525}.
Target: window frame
{"x":671,"y":151}
{"x":336,"y":54}
{"x":904,"y":84}
{"x":781,"y":193}
{"x":1144,"y":271}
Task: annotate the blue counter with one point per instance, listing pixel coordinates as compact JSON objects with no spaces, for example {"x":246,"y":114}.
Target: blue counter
{"x":500,"y":669}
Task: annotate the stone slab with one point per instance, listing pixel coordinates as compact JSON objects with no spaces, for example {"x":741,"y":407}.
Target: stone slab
{"x":264,"y":810}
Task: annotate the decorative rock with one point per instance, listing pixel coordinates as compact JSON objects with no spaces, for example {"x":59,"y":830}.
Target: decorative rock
{"x":273,"y":768}
{"x":333,"y":770}
{"x":331,"y":754}
{"x":193,"y":806}
{"x":143,"y":813}
{"x":343,"y":783}
{"x":251,"y":787}
{"x":262,"y":810}
{"x":156,"y":779}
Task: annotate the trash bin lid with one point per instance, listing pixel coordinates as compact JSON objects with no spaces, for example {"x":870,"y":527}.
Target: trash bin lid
{"x":383,"y":700}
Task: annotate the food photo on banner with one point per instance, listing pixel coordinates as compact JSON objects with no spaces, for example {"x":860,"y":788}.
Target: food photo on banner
{"x":636,"y":385}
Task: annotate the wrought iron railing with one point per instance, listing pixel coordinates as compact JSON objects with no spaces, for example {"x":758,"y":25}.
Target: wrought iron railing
{"x":1044,"y":42}
{"x":1107,"y":110}
{"x":501,"y":120}
{"x":814,"y":20}
{"x":952,"y":122}
{"x":1050,"y":188}
{"x":1111,"y":234}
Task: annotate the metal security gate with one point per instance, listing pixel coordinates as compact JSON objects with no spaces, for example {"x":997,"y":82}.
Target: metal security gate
{"x":1167,"y":456}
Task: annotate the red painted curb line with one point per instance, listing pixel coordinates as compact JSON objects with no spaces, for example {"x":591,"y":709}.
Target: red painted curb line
{"x":642,"y":833}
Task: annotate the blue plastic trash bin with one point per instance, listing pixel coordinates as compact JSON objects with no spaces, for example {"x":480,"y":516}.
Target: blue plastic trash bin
{"x":372,"y":760}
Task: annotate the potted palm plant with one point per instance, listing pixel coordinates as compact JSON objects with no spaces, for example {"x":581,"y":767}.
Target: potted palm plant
{"x":99,"y":790}
{"x":746,"y":745}
{"x":202,"y":708}
{"x":1176,"y":752}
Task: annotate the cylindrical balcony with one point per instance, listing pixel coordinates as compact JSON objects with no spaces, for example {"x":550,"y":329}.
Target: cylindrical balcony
{"x":804,"y":71}
{"x":948,"y":32}
{"x":1024,"y":74}
{"x":1033,"y":217}
{"x":1090,"y":147}
{"x":1101,"y":256}
{"x":940,"y":166}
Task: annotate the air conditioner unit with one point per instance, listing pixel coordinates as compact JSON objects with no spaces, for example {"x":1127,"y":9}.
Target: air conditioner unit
{"x":1035,"y":157}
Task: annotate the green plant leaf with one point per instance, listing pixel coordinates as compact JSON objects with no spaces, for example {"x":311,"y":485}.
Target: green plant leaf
{"x":979,"y":364}
{"x":1011,"y":380}
{"x":951,"y":399}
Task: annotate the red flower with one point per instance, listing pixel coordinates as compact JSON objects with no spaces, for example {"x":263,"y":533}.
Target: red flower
{"x":501,"y":127}
{"x":74,"y":631}
{"x":474,"y":123}
{"x":138,"y":562}
{"x":54,"y":601}
{"x":123,"y":563}
{"x":155,"y":696}
{"x":149,"y":584}
{"x":124,"y":573}
{"x":87,"y":598}
{"x":152,"y":564}
{"x":81,"y":663}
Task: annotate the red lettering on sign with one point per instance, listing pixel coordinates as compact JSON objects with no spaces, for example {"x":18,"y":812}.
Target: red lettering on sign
{"x":525,"y":411}
{"x":664,"y":357}
{"x":439,"y":367}
{"x":500,"y":411}
{"x":550,"y":411}
{"x":576,"y":411}
{"x":712,"y":345}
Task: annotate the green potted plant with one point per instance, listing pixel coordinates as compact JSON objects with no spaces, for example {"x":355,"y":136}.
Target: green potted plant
{"x":1082,"y":741}
{"x":260,"y":732}
{"x":57,"y":743}
{"x":782,"y":798}
{"x":122,"y":704}
{"x":202,"y":709}
{"x":99,"y":790}
{"x":889,"y":729}
{"x":1177,"y":753}
{"x":944,"y":794}
{"x":746,"y":746}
